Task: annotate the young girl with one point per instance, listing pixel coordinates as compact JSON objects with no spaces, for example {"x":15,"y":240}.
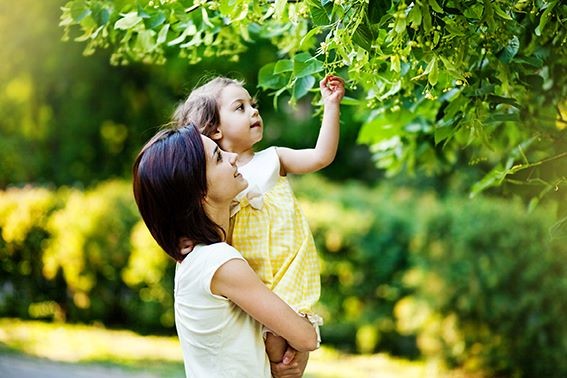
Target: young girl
{"x":269,"y":229}
{"x":184,"y":185}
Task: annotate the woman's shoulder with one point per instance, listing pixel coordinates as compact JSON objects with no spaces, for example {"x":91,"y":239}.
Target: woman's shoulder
{"x":211,"y":254}
{"x":218,"y":249}
{"x":205,"y":259}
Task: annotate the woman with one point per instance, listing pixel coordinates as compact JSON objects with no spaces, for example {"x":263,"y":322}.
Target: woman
{"x":184,"y":185}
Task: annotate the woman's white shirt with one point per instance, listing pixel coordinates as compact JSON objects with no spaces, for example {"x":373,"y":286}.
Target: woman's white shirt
{"x":218,"y":339}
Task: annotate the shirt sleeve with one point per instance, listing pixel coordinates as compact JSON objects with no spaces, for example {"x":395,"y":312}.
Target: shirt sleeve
{"x":219,"y":254}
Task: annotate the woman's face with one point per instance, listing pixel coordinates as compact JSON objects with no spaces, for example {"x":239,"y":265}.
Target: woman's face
{"x":223,"y":180}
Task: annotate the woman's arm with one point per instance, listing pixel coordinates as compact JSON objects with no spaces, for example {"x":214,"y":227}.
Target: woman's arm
{"x":312,"y":159}
{"x":236,"y":281}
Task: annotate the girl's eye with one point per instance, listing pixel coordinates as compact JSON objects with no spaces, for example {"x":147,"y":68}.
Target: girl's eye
{"x":254,"y":105}
{"x":240,"y":107}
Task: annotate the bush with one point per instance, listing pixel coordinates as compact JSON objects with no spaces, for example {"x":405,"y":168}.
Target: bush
{"x":75,"y":255}
{"x":479,"y":284}
{"x":363,"y":238}
{"x":490,"y":290}
{"x":24,"y":214}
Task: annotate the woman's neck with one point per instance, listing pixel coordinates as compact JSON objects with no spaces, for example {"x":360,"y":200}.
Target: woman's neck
{"x":219,"y":213}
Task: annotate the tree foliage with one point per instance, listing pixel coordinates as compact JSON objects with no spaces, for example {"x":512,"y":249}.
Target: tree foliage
{"x":436,"y":82}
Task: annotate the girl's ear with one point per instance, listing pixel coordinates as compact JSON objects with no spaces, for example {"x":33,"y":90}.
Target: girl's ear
{"x":216,"y":135}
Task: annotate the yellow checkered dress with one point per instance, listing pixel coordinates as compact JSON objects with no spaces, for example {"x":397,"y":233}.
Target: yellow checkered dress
{"x":273,"y":235}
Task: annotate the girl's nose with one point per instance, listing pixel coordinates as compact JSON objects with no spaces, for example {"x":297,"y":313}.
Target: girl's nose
{"x":255,"y":111}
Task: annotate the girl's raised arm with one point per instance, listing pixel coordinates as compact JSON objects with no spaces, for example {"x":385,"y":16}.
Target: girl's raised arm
{"x":236,"y":281}
{"x":312,"y":159}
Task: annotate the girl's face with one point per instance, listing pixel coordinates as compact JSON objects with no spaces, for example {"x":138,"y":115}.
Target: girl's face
{"x":240,"y":123}
{"x":223,"y":180}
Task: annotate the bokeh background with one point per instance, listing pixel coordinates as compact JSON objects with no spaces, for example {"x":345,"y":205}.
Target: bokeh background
{"x":411,"y":266}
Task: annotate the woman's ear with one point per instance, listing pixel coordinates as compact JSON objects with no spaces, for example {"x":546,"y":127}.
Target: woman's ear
{"x":185,"y":245}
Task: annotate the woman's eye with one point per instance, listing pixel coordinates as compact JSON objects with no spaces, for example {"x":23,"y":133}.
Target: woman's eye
{"x":219,"y":157}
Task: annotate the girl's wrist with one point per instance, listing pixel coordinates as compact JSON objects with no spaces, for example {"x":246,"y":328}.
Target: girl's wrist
{"x":331,"y":102}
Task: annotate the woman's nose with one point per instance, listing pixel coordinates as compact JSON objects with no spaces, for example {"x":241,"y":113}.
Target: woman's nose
{"x":232,"y":157}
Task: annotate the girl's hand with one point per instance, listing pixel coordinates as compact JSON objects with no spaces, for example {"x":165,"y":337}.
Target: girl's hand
{"x":332,"y":89}
{"x":292,"y":366}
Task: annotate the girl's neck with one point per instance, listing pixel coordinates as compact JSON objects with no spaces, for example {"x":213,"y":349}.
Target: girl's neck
{"x":244,"y":157}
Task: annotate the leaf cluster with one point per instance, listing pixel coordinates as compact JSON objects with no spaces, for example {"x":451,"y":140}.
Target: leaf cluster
{"x":437,"y":83}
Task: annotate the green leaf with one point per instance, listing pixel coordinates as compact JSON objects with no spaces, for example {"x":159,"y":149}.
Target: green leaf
{"x":500,"y":12}
{"x":435,"y":6}
{"x":433,"y":72}
{"x":442,"y":133}
{"x":191,"y":29}
{"x":426,"y":16}
{"x":509,"y":52}
{"x":502,"y":117}
{"x":544,"y":18}
{"x":414,"y":17}
{"x":492,"y":178}
{"x":395,"y":88}
{"x":100,"y":14}
{"x":400,"y":25}
{"x":267,"y":79}
{"x":155,"y":20}
{"x":349,"y":101}
{"x":363,"y":36}
{"x":226,"y":6}
{"x":145,"y":40}
{"x":128,"y":21}
{"x":534,"y":61}
{"x":377,"y":9}
{"x":303,"y":44}
{"x":503,"y":100}
{"x":318,"y":14}
{"x":302,"y":86}
{"x":79,"y":11}
{"x":279,"y":8}
{"x":534,"y":201}
{"x":162,"y":35}
{"x":284,"y":65}
{"x":305,"y":65}
{"x":474,"y":12}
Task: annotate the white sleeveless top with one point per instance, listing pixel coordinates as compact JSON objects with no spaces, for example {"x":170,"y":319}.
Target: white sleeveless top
{"x":218,"y":338}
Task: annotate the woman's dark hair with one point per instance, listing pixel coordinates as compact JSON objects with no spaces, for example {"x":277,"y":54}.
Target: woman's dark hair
{"x":170,"y":184}
{"x":202,"y":105}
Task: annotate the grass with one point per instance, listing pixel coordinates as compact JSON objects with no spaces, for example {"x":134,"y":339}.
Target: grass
{"x":161,"y":356}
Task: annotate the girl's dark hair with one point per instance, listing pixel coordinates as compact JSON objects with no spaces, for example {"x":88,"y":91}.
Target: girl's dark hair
{"x":201,"y":107}
{"x":170,"y":184}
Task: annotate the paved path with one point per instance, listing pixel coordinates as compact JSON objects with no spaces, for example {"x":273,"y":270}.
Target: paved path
{"x":15,"y":366}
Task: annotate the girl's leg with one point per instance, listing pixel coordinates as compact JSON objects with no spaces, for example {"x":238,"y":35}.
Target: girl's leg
{"x":275,"y":347}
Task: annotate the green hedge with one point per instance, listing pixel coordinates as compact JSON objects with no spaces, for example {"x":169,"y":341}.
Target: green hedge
{"x":77,"y":256}
{"x":490,"y":289}
{"x":479,"y":284}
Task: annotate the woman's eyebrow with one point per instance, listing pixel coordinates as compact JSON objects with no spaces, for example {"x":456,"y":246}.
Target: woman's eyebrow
{"x":215,"y":151}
